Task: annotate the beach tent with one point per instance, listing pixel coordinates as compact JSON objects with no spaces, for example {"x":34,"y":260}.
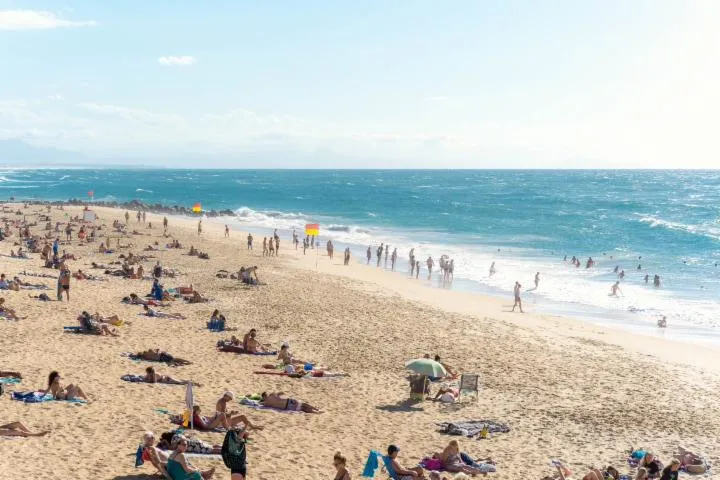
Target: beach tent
{"x":89,"y":216}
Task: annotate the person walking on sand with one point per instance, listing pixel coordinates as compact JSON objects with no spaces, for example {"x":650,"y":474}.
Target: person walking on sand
{"x":379,"y":254}
{"x":518,"y":300}
{"x":227,"y":231}
{"x":347,"y":255}
{"x":305,"y":245}
{"x":64,"y":283}
{"x":199,"y":227}
{"x":165,"y":224}
{"x":417,"y":269}
{"x":143,"y":216}
{"x":127,"y":217}
{"x":330,"y":249}
{"x":537,"y":280}
{"x":369,"y":254}
{"x":411,"y":257}
{"x":295,"y":239}
{"x":387,"y":249}
{"x":430,"y":264}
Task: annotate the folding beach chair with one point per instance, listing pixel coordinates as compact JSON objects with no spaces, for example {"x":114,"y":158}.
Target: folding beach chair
{"x":419,"y":387}
{"x":470,"y":384}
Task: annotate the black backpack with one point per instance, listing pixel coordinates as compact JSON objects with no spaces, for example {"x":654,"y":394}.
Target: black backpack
{"x":233,"y":450}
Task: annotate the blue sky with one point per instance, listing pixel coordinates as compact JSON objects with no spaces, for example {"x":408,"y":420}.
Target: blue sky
{"x":378,"y":83}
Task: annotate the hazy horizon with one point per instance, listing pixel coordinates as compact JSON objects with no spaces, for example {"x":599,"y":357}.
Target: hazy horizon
{"x":408,"y":84}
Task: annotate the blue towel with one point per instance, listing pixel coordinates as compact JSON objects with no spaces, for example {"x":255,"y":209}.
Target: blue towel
{"x":31,"y":397}
{"x":39,"y":397}
{"x":133,"y":378}
{"x":9,"y":380}
{"x":73,"y":329}
{"x":371,"y":464}
{"x":138,"y":456}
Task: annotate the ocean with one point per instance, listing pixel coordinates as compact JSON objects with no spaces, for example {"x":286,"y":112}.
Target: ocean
{"x":668,"y":222}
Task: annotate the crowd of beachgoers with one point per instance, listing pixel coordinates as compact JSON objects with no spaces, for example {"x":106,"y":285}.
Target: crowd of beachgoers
{"x":59,"y":249}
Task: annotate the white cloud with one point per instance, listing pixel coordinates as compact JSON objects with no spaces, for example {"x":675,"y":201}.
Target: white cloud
{"x":37,"y":20}
{"x":56,"y":97}
{"x":173,"y":61}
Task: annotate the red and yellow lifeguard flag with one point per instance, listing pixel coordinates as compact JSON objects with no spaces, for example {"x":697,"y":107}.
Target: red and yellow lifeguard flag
{"x":197,"y":208}
{"x":312,"y":229}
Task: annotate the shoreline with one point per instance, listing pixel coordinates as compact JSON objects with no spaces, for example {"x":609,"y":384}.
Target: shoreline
{"x":689,"y":341}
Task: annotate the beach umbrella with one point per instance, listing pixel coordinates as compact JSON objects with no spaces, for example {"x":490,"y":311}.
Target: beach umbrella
{"x":189,"y":401}
{"x":427,"y":367}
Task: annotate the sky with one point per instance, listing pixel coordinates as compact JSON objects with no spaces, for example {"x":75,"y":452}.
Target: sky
{"x":390,"y":84}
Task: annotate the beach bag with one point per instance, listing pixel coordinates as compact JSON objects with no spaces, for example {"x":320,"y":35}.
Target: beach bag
{"x":233,"y":451}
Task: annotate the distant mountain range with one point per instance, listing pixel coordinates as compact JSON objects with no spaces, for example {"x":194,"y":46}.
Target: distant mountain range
{"x":17,"y":153}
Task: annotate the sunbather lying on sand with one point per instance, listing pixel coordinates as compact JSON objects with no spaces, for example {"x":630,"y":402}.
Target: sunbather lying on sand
{"x":153,"y":313}
{"x":222,"y":418}
{"x":133,"y":299}
{"x":155,"y":355}
{"x":20,"y":283}
{"x":152,"y":377}
{"x":7,"y":374}
{"x":17,"y":429}
{"x":275,"y":400}
{"x":610,"y":473}
{"x":169,"y":441}
{"x":59,"y":392}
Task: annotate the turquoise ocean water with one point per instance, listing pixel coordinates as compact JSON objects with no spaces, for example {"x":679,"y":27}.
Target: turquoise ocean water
{"x":525,"y":221}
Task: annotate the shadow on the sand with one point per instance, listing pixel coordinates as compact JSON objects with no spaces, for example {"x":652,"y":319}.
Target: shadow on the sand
{"x":404,"y":406}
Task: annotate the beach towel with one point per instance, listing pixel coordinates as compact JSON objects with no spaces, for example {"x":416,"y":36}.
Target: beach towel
{"x":371,"y":464}
{"x":472,"y":428}
{"x":74,"y":329}
{"x":133,"y":378}
{"x":40,"y":397}
{"x":10,"y":380}
{"x":257,"y":406}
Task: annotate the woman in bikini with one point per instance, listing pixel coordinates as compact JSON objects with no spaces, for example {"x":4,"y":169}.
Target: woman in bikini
{"x":275,"y":400}
{"x":152,"y":377}
{"x":155,"y":355}
{"x":56,"y":389}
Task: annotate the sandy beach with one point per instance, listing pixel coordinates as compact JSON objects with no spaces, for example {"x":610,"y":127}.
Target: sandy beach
{"x":568,"y":390}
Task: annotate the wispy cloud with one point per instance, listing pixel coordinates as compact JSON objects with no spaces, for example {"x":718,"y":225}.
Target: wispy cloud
{"x":174,"y":61}
{"x":37,"y":20}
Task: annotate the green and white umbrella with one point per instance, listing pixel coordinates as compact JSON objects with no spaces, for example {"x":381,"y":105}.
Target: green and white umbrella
{"x":427,"y":367}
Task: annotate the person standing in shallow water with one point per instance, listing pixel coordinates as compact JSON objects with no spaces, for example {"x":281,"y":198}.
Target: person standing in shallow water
{"x":430,"y":264}
{"x":417,"y":269}
{"x":393,"y":259}
{"x":368,"y":254}
{"x":518,"y":300}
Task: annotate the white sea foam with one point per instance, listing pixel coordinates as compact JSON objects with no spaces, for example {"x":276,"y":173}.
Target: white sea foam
{"x":560,"y":281}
